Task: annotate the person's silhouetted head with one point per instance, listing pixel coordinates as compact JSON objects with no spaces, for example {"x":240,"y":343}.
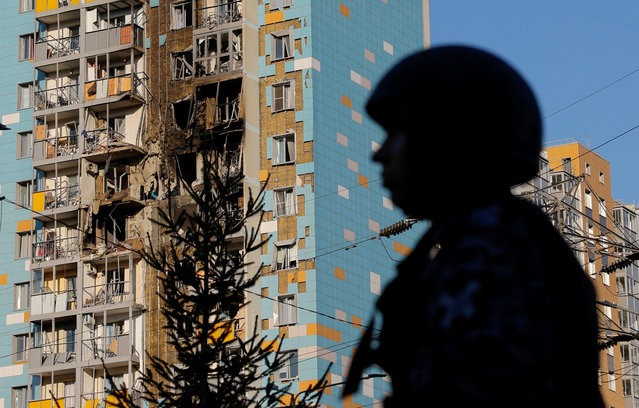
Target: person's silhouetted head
{"x":458,"y":120}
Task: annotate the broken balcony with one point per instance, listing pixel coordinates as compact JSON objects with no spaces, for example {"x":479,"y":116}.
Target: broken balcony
{"x":56,"y":97}
{"x":50,"y":47}
{"x":114,"y":86}
{"x":211,"y":14}
{"x":107,"y":293}
{"x":51,"y":142}
{"x":48,"y":248}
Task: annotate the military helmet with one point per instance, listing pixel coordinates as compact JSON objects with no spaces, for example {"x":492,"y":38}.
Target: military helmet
{"x":468,"y":104}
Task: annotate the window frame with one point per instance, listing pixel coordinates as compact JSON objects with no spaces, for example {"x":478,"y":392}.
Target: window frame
{"x":20,"y":100}
{"x":20,"y":145}
{"x":288,"y":309}
{"x":22,"y":3}
{"x":177,"y":25}
{"x":19,"y":242}
{"x":285,"y":208}
{"x":288,"y":45}
{"x":15,"y":393}
{"x":280,"y":4}
{"x":275,"y":149}
{"x":181,"y":58}
{"x":287,"y":97}
{"x":20,"y":355}
{"x":290,"y":260}
{"x":18,"y":289}
{"x":26,"y":53}
{"x":290,"y":368}
{"x":28,"y":186}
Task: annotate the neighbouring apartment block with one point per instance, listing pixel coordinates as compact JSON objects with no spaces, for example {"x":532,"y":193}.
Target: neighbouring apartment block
{"x":573,"y":187}
{"x":111,"y":102}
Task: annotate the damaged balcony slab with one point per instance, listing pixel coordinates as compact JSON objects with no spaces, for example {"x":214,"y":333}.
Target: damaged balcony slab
{"x":115,"y":152}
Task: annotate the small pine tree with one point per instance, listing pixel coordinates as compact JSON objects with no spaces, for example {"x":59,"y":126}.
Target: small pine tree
{"x":203,"y":290}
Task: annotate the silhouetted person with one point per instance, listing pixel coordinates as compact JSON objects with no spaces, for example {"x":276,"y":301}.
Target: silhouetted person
{"x":491,"y":308}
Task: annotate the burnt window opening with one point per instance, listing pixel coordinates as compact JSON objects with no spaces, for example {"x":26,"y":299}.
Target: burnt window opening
{"x":115,"y":229}
{"x":182,"y":112}
{"x":187,"y":167}
{"x":182,"y":64}
{"x":116,"y":179}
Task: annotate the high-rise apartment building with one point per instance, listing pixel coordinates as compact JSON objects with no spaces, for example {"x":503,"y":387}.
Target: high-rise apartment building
{"x":126,"y":95}
{"x":16,"y":101}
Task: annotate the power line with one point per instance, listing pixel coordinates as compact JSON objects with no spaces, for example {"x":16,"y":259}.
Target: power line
{"x":592,"y":93}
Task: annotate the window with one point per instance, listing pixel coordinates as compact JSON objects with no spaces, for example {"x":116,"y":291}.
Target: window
{"x":24,"y":145}
{"x":591,"y":269}
{"x":19,"y":397}
{"x":612,"y":386}
{"x":21,"y":296}
{"x":25,"y":47}
{"x":26,"y":5}
{"x":181,"y":64}
{"x":286,"y":255}
{"x":605,"y":277}
{"x":278,"y":4}
{"x":23,"y":247}
{"x":283,"y":149}
{"x":602,"y":178}
{"x":25,"y":95}
{"x":289,"y":369}
{"x":588,"y":199}
{"x":181,"y":14}
{"x":20,"y":348}
{"x":602,"y":208}
{"x":284,"y":200}
{"x":286,"y":310}
{"x":283,"y":96}
{"x":627,"y":390}
{"x":281,"y":46}
{"x":23,"y":193}
{"x":625,"y":353}
{"x":219,"y":52}
{"x":588,"y":169}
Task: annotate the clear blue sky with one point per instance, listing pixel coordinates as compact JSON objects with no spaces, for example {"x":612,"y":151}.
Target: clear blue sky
{"x":566,"y":49}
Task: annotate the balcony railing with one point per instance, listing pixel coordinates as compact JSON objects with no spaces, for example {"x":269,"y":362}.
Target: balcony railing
{"x":114,"y":86}
{"x":97,"y":139}
{"x":53,"y":249}
{"x":50,"y":47}
{"x":61,"y":196}
{"x":49,"y":302}
{"x":52,"y":353}
{"x":113,"y":36}
{"x":108,"y":293}
{"x":214,"y":16}
{"x":56,"y":97}
{"x":106,"y":346}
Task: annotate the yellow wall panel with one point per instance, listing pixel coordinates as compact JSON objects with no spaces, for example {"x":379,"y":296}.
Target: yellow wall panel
{"x":26,"y":225}
{"x":38,"y":201}
{"x":4,"y":278}
{"x":274,"y":17}
{"x":41,"y":5}
{"x":52,"y":4}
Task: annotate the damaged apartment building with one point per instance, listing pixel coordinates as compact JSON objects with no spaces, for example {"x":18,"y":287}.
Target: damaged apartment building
{"x":128,"y":97}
